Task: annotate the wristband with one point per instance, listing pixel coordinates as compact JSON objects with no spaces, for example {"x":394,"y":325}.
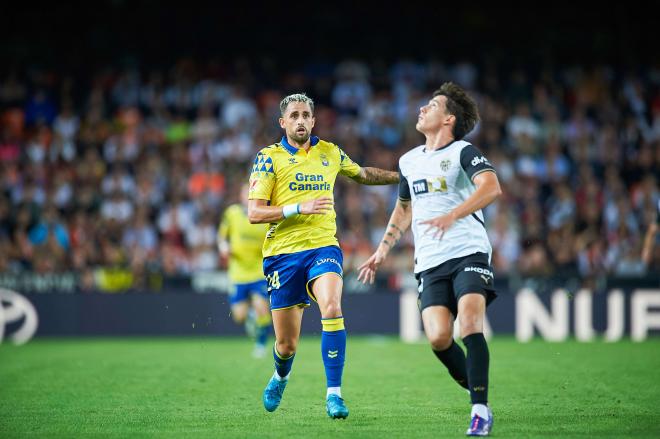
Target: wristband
{"x":290,"y":210}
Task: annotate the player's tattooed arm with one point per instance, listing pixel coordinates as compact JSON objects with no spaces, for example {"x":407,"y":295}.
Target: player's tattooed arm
{"x":399,"y":223}
{"x":390,"y":239}
{"x":374,"y":176}
{"x":393,"y":235}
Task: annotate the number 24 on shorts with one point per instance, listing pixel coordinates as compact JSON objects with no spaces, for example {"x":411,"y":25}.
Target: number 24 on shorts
{"x":273,"y":281}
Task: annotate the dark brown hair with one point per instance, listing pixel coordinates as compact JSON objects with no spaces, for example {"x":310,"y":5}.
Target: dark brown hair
{"x":461,"y":106}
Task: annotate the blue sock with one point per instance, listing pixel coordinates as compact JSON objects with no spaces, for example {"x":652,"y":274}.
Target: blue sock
{"x":333,"y":349}
{"x":282,"y":364}
{"x":263,"y":328}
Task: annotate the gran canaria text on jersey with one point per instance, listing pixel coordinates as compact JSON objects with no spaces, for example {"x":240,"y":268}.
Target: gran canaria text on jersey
{"x":304,"y":183}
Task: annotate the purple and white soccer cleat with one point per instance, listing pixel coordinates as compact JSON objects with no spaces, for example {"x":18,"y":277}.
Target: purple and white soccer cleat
{"x":479,"y":426}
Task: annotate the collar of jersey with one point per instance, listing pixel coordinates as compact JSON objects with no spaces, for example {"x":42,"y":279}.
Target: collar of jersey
{"x":292,"y":149}
{"x":441,"y":148}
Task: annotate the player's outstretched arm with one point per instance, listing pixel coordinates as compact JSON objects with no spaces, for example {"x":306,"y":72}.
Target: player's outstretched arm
{"x":260,"y":212}
{"x":399,"y":223}
{"x":375,"y":176}
{"x":488,"y":189}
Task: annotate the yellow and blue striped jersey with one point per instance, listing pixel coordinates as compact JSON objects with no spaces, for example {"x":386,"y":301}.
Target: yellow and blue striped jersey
{"x":284,"y":174}
{"x":245,"y":241}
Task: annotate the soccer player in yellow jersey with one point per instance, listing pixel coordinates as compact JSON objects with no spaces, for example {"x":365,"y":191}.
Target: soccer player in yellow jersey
{"x":291,"y":188}
{"x":240,"y":244}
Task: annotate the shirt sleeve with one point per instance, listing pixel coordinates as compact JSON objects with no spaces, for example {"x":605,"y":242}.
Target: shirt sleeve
{"x":404,"y":189}
{"x":474,"y":162}
{"x":262,"y":178}
{"x":347,"y":166}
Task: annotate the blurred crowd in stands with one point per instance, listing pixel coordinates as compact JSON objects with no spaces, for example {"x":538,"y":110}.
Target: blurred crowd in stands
{"x":131,"y":168}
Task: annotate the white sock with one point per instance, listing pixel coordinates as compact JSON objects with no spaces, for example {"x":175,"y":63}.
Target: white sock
{"x":279,"y":378}
{"x":333,"y":391}
{"x":481,"y":410}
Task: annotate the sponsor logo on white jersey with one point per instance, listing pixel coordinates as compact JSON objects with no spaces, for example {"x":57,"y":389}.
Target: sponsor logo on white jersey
{"x":478,"y":160}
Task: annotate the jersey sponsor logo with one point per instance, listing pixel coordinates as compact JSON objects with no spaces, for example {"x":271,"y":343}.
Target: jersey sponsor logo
{"x":479,"y":160}
{"x":438,"y":184}
{"x":270,"y":234}
{"x":303,"y":183}
{"x":253,"y":184}
{"x":444,"y":165}
{"x":420,"y":187}
{"x":293,"y":186}
{"x":324,"y":260}
{"x":479,"y":270}
{"x":330,"y":261}
{"x":309,"y":177}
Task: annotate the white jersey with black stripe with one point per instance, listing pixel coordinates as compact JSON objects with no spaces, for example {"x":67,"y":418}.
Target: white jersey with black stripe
{"x":436,"y":182}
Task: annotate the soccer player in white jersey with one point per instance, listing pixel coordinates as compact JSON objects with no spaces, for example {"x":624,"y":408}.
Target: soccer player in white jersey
{"x":444,"y":185}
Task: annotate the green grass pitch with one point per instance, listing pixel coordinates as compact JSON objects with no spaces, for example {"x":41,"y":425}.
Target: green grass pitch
{"x":211,"y":387}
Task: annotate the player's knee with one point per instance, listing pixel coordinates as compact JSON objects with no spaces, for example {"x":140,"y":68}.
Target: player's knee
{"x":440,"y":340}
{"x":471,"y":324}
{"x":287,"y":347}
{"x":331,"y":310}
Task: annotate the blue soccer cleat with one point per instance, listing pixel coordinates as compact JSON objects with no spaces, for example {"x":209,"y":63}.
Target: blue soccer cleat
{"x":273,"y":394}
{"x":336,"y":408}
{"x":479,"y":426}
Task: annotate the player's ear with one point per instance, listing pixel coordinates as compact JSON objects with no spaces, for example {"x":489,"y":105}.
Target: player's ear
{"x":313,"y":122}
{"x":450,"y":119}
{"x":281,"y":119}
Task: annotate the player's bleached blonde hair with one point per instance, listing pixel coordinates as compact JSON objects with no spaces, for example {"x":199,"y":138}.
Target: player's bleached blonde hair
{"x":298,"y":97}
